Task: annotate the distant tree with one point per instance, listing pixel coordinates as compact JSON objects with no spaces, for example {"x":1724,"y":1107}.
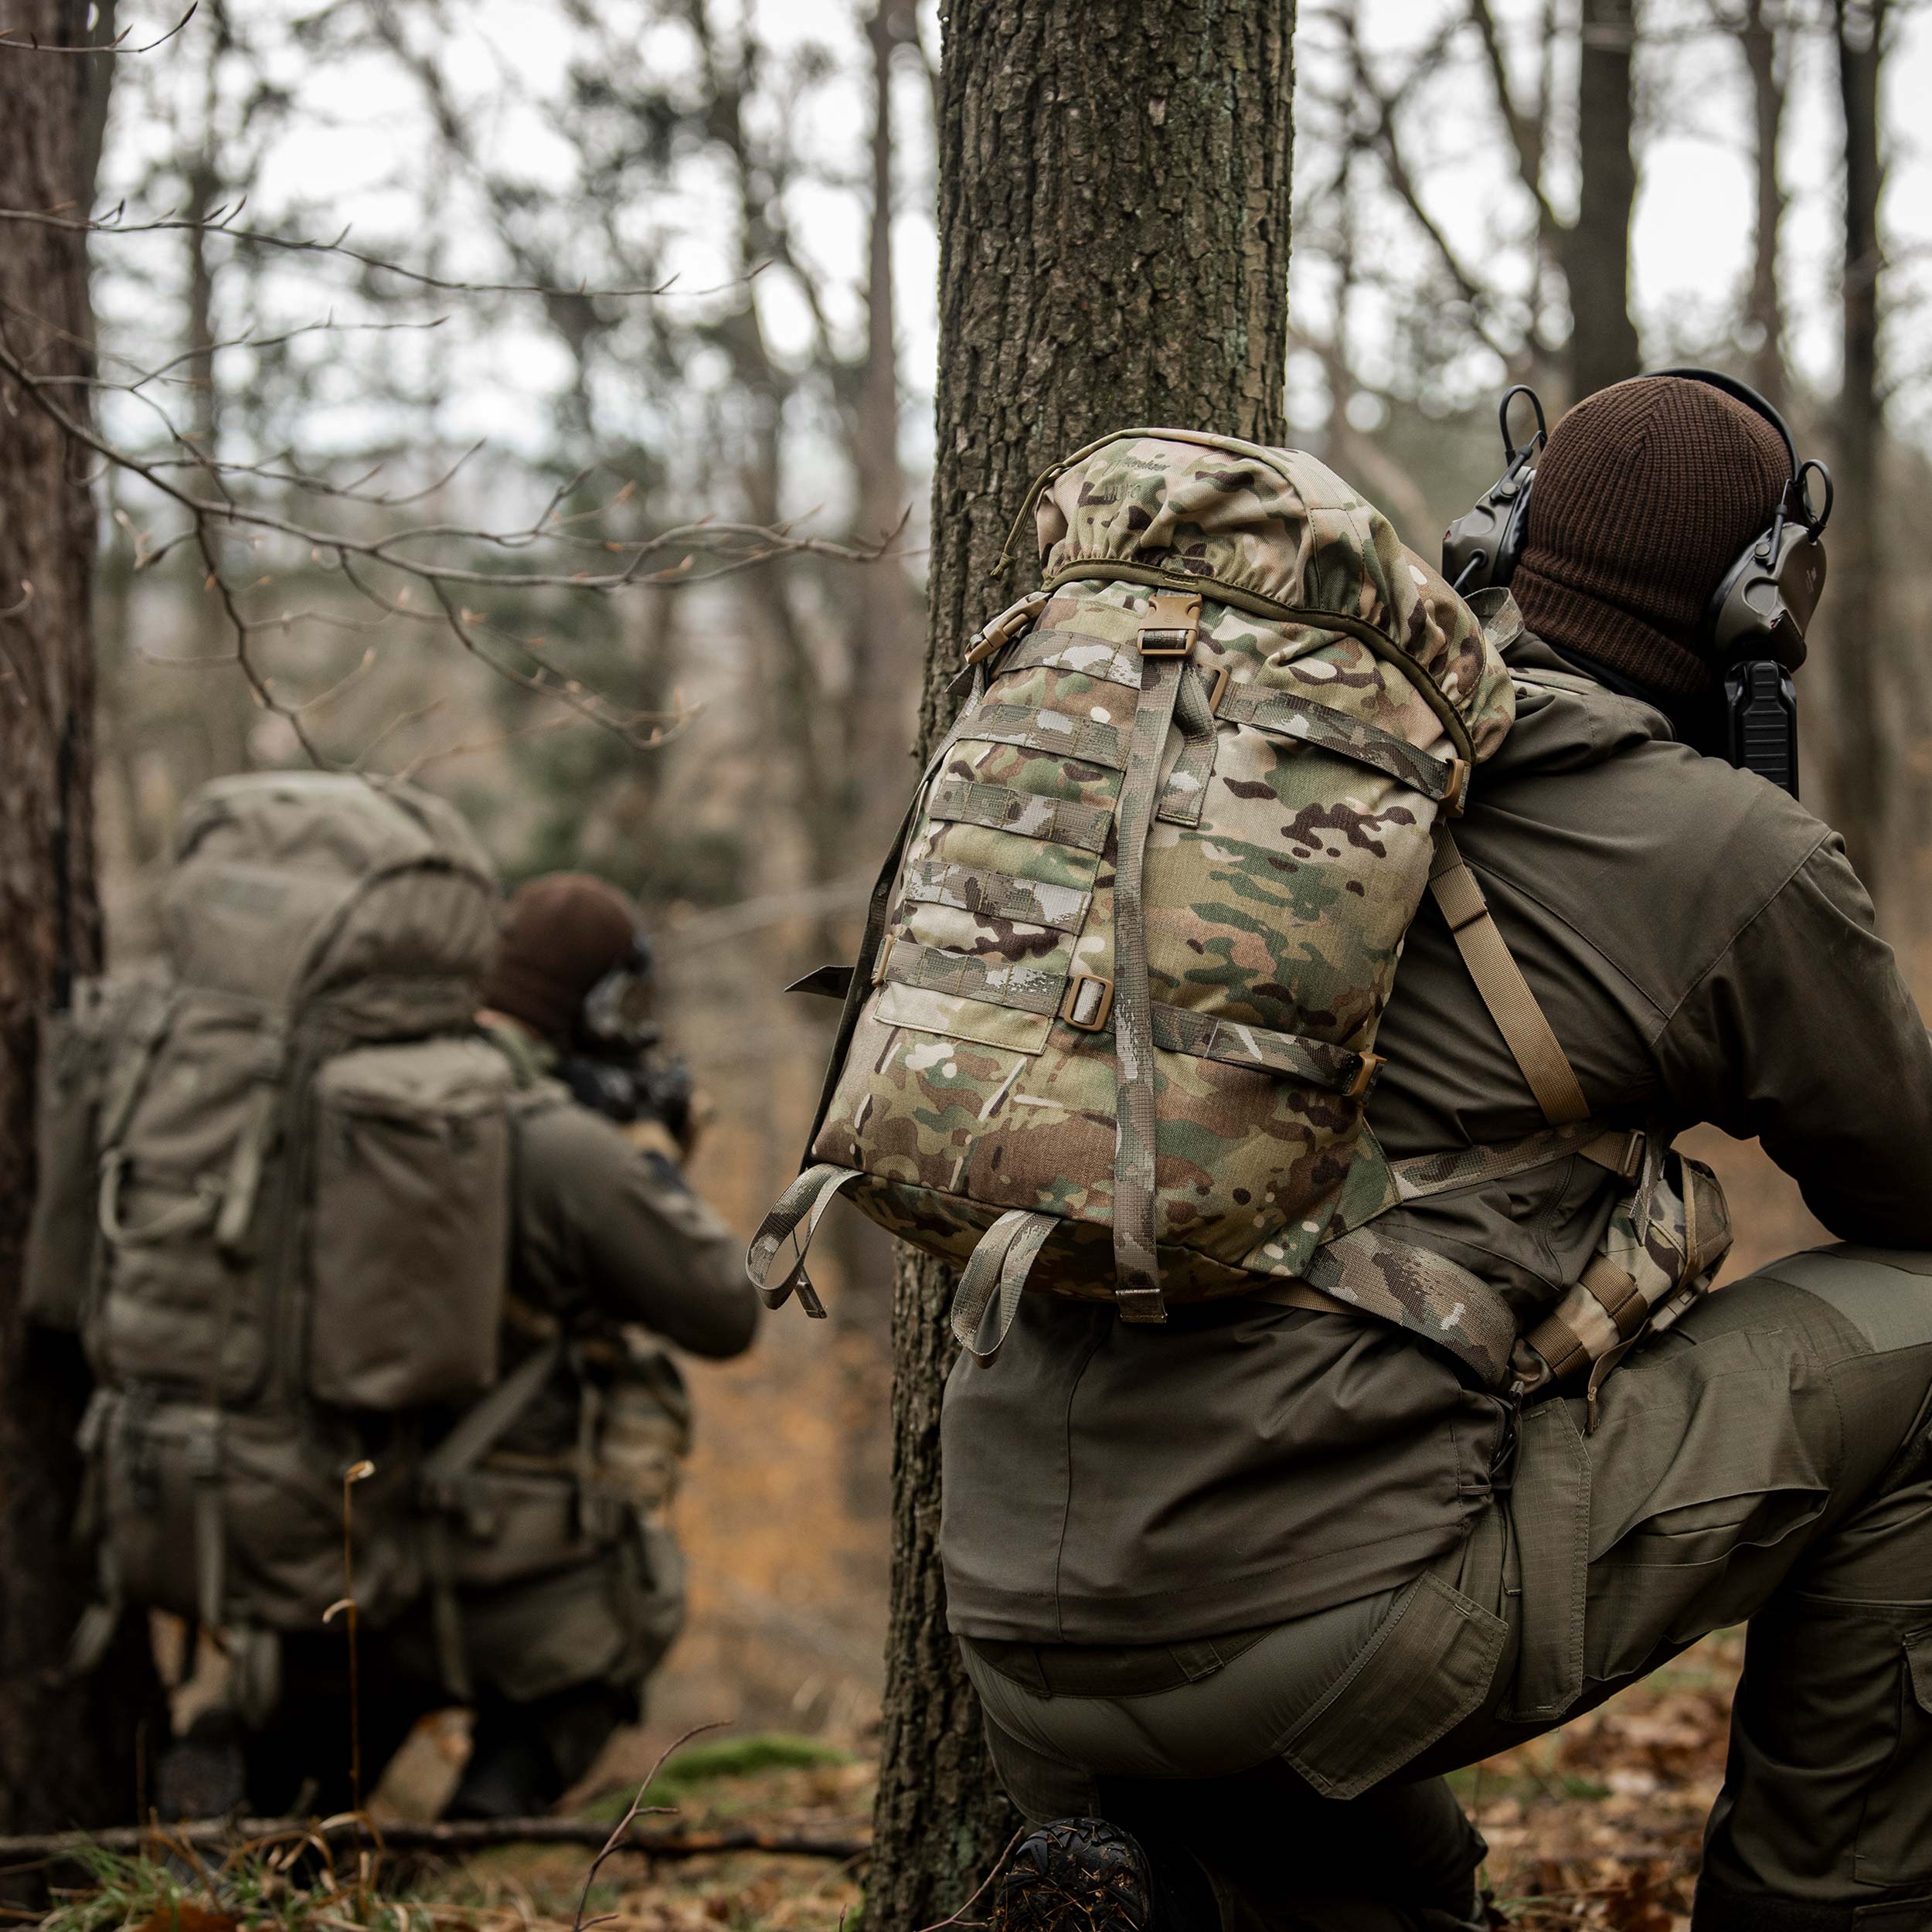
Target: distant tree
{"x":1114,"y":241}
{"x":1595,"y":247}
{"x":1862,"y":766}
{"x":1765,"y":37}
{"x":67,"y":1750}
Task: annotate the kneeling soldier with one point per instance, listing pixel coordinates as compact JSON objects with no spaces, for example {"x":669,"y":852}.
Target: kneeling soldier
{"x":554,"y":1583}
{"x":1214,"y":1578}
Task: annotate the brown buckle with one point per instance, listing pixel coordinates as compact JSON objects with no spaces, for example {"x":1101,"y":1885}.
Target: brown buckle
{"x":1172,"y":622}
{"x":1372,"y":1065}
{"x":1102,"y":1007}
{"x":1457,"y":796}
{"x":885,"y":953}
{"x":1005,"y":627}
{"x":1223,"y":679}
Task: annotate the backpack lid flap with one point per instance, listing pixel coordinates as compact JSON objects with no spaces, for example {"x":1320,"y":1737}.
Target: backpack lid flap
{"x":287,"y":884}
{"x":1283,"y":535}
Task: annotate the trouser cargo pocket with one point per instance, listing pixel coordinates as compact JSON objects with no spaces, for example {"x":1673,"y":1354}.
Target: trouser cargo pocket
{"x":1427,"y":1667}
{"x":1895,"y":1836}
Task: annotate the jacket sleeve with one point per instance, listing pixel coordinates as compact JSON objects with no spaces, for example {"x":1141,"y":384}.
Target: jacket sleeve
{"x":620,"y":1229}
{"x":1802,"y":1034}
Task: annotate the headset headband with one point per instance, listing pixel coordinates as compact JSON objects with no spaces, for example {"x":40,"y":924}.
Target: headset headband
{"x":1742,"y":392}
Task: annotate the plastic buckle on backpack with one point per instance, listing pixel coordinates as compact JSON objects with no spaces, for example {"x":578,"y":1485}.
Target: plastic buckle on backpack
{"x":1087,"y":1013}
{"x":1223,"y":679}
{"x":1172,"y":622}
{"x":1357,"y":1088}
{"x":1004,"y":628}
{"x":1457,"y":796}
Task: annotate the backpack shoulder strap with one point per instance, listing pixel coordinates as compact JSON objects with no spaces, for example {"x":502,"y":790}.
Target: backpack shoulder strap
{"x":1504,"y":991}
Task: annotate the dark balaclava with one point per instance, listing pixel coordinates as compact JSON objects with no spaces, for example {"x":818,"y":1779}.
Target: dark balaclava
{"x":561,"y":934}
{"x":1648,"y":492}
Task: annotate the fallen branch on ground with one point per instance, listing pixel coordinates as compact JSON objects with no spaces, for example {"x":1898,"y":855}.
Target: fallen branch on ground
{"x":455,"y":1836}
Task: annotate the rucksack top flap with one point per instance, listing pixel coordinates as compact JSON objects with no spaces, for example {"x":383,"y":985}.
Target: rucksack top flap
{"x":287,"y":886}
{"x":1277,"y":533}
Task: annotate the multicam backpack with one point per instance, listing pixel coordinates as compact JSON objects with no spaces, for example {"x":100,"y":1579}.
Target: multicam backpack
{"x":1112,"y":1025}
{"x":274,"y":1197}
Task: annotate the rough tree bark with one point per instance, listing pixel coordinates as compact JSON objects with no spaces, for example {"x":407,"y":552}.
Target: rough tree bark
{"x":67,"y":1750}
{"x":1861,"y":766}
{"x":1113,"y":233}
{"x":1603,"y":343}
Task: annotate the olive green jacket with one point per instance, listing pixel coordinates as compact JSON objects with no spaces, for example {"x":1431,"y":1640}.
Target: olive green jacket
{"x":1704,"y":953}
{"x":606,"y":1235}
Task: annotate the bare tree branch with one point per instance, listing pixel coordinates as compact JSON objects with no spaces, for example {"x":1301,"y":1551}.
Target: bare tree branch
{"x":31,"y":45}
{"x":223,"y":223}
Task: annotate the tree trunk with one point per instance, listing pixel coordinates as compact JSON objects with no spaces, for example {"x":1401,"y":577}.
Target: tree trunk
{"x":1764,"y":307}
{"x":1857,"y":600}
{"x":1113,"y":226}
{"x":67,"y":1751}
{"x":1603,"y":343}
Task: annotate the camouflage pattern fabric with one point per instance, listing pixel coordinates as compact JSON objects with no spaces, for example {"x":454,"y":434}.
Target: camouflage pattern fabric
{"x":1426,"y":1294}
{"x":1060,"y":822}
{"x":1279,"y":787}
{"x":1664,"y":1244}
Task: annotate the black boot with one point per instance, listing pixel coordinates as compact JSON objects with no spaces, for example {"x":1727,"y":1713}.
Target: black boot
{"x":1084,"y":1874}
{"x":1074,"y":1875}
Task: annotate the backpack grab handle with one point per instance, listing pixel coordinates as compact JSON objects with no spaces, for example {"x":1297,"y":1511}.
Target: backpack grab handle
{"x":186,"y":1216}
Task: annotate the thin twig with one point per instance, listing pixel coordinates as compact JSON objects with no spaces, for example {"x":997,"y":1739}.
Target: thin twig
{"x":999,"y":1865}
{"x":31,"y":46}
{"x":578,"y":1923}
{"x":223,"y":223}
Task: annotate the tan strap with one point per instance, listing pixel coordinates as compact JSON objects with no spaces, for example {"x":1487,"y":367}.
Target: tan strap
{"x":1565,"y":1351}
{"x":1504,"y":991}
{"x":1304,"y":1294}
{"x":1595,"y":1325}
{"x":1616,"y":1292}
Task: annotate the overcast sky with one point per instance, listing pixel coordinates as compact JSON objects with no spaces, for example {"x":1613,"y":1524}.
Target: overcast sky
{"x":360,"y":142}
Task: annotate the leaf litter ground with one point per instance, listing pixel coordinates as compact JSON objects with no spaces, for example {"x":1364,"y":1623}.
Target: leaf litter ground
{"x":1598,"y":1825}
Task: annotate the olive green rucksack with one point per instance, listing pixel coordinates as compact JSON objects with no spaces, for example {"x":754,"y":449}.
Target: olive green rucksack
{"x":1112,"y":1023}
{"x":274,"y":1199}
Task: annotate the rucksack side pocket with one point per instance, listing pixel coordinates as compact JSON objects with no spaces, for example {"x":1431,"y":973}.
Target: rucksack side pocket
{"x":60,"y":1238}
{"x":63,"y":1236}
{"x":409,"y":1224}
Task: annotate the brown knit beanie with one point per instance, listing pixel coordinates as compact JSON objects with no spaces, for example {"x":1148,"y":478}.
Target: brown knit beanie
{"x":561,"y":934}
{"x":1648,"y":493}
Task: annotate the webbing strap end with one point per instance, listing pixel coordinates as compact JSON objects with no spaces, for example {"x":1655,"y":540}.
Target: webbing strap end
{"x":1147,"y":1305}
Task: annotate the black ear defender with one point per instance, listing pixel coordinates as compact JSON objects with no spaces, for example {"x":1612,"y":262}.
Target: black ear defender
{"x":1481,"y":549}
{"x":1752,"y":629}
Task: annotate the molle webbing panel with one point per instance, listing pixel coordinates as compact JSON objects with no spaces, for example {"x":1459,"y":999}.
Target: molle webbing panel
{"x":1060,"y":821}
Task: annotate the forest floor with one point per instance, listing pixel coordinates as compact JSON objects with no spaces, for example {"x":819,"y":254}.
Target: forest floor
{"x":1598,"y":1825}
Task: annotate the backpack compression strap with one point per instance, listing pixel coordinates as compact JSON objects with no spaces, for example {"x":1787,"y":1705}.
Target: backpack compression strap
{"x":1166,"y":641}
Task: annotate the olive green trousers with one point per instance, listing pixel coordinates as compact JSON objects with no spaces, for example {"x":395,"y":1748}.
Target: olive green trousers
{"x":1768,"y":1459}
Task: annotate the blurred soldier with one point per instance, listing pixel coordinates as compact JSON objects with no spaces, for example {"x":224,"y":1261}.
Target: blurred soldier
{"x":554,"y":1583}
{"x":1215,"y":1577}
